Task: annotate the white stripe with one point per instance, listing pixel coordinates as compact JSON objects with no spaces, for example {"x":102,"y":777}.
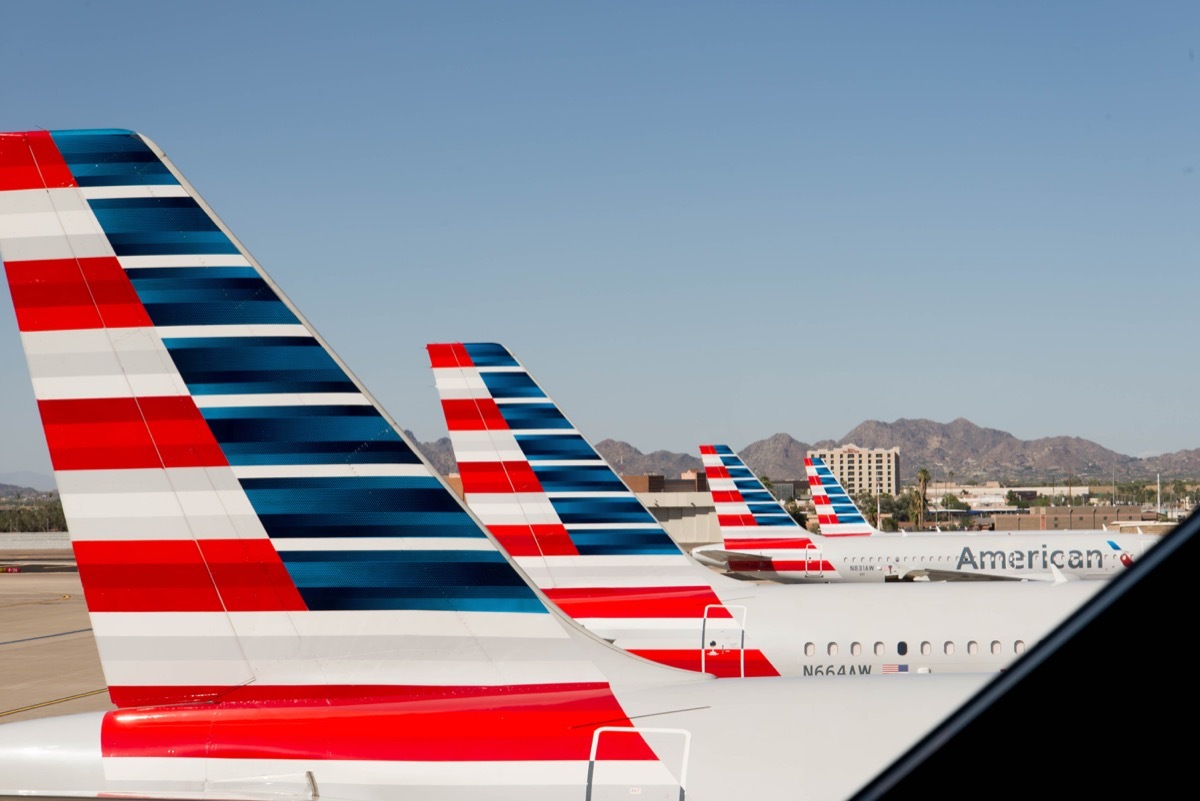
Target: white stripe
{"x":512,"y":509}
{"x":383,"y":544}
{"x":398,"y":623}
{"x":625,"y":494}
{"x":331,"y":470}
{"x":193,"y":260}
{"x":500,"y":369}
{"x":129,"y":192}
{"x":486,"y":446}
{"x":283,"y":399}
{"x":458,"y":383}
{"x":237,"y":777}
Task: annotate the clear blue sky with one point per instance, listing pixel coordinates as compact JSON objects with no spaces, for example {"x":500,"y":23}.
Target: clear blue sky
{"x":692,"y":221}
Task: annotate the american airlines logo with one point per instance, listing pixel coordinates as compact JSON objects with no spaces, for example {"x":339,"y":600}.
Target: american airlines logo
{"x":1033,"y":559}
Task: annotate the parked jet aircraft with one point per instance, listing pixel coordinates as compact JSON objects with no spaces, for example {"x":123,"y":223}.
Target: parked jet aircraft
{"x":286,"y":598}
{"x":762,"y":540}
{"x":590,"y":545}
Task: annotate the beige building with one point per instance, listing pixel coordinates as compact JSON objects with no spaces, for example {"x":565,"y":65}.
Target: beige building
{"x":873,"y":470}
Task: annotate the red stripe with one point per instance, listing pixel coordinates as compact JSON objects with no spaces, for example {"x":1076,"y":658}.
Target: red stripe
{"x":145,"y":576}
{"x":554,"y":724}
{"x":274,"y":694}
{"x":727,"y":496}
{"x":827,"y":519}
{"x":731,"y":521}
{"x":546,"y":539}
{"x":498,"y":477}
{"x":250,"y":576}
{"x":788,"y":566}
{"x":821,"y":499}
{"x":723,"y":664}
{"x":708,"y":449}
{"x":31,"y":161}
{"x":473,"y":414}
{"x":751,"y":543}
{"x":814,"y":480}
{"x":448,"y":355}
{"x":66,"y":294}
{"x":117,"y":433}
{"x":637,"y":602}
{"x":716,"y":472}
{"x":244,"y":575}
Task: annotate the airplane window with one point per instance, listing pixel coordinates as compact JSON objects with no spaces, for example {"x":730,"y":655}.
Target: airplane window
{"x":856,"y":648}
{"x":972,"y":648}
{"x":832,"y":649}
{"x":902,"y":648}
{"x":1019,"y":647}
{"x":949,"y":648}
{"x":809,"y":649}
{"x":878,"y":649}
{"x":926,"y":648}
{"x":996,"y":647}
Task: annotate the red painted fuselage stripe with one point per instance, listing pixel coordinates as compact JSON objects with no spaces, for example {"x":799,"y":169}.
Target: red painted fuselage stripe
{"x":119,"y":433}
{"x":244,"y":575}
{"x":503,"y":478}
{"x":723,"y":663}
{"x":473,"y":414}
{"x":550,"y":539}
{"x":31,"y":160}
{"x":448,"y":355}
{"x":145,"y":576}
{"x":72,"y":294}
{"x":637,"y":602}
{"x":545,"y":725}
{"x":766,"y":542}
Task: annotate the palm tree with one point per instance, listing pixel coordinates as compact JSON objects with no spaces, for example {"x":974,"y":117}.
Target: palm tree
{"x":923,"y":479}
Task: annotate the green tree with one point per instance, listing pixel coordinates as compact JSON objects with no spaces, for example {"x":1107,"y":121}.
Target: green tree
{"x":923,"y":479}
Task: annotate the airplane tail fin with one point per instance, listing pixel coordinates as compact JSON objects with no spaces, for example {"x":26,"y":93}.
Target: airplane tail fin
{"x":837,"y":513}
{"x":750,"y":517}
{"x":248,"y":522}
{"x":565,"y":515}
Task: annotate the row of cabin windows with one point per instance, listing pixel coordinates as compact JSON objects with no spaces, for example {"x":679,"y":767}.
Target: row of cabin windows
{"x":926,"y":648}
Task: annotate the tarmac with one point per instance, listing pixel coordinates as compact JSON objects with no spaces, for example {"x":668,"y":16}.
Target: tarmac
{"x":48,"y":659}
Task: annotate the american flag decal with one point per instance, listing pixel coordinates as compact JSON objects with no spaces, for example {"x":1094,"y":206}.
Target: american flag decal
{"x":895,"y":668}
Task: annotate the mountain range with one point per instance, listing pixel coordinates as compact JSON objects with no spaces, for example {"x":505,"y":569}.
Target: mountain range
{"x":958,"y":451}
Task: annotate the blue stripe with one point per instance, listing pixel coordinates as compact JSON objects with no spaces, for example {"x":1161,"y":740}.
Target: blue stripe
{"x":511,"y":385}
{"x":615,"y":542}
{"x":760,"y":496}
{"x":740,"y":472}
{"x":208,"y":296}
{"x":158,"y":226}
{"x":489,"y":354}
{"x":601,"y":510}
{"x":111,"y":157}
{"x":850,"y":518}
{"x":250,"y":365}
{"x":374,"y":506}
{"x":554,"y":447}
{"x":765,"y":508}
{"x":722,"y":449}
{"x":263,"y":435}
{"x":438,"y":580}
{"x":520,"y":416}
{"x":578,"y":479}
{"x":775,"y":520}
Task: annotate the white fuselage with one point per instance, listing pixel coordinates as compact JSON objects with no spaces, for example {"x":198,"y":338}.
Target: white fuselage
{"x":826,"y":629}
{"x":755,"y":738}
{"x":1033,"y":556}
